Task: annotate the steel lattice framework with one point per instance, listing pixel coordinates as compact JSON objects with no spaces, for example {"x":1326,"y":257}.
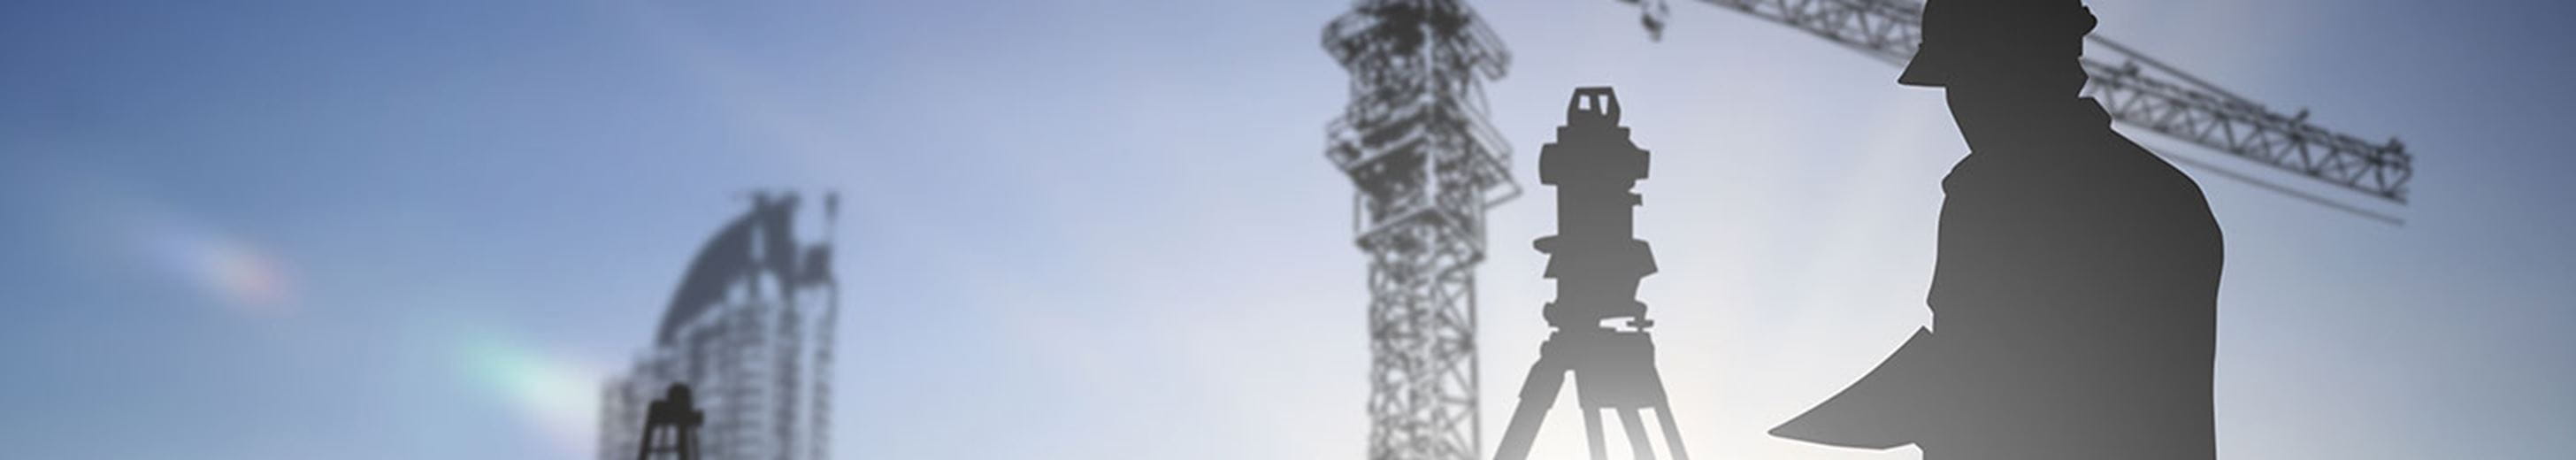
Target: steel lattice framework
{"x":1415,"y":141}
{"x":2135,"y":89}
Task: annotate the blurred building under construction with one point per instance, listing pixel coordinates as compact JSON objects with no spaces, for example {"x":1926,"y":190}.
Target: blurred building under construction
{"x":750,"y":330}
{"x":1414,"y":140}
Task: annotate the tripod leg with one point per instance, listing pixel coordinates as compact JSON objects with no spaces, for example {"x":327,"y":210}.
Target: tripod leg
{"x":1538,"y":393}
{"x":1592,"y":433}
{"x":1672,"y":433}
{"x":1636,"y":429}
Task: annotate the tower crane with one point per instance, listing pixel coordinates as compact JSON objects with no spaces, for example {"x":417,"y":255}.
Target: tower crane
{"x":2137,"y":90}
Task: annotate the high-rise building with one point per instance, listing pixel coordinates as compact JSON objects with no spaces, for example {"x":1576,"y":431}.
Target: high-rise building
{"x":750,"y":330}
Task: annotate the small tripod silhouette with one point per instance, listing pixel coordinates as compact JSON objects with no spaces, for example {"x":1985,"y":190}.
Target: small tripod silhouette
{"x":1596,"y":261}
{"x":675,"y":417}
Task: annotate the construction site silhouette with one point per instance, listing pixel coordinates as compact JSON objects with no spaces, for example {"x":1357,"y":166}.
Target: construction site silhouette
{"x":2074,"y":298}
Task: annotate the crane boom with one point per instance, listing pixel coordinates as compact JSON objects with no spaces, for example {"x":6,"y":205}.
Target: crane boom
{"x":2136,"y":90}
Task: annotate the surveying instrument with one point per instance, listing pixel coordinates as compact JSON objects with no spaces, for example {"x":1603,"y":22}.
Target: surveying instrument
{"x":671,"y":427}
{"x":1596,"y":260}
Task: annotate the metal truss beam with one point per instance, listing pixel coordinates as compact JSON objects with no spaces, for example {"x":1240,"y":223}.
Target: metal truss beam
{"x":2137,"y":90}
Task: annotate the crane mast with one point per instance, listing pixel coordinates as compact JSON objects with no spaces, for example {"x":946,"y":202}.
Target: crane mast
{"x":2137,"y":90}
{"x":1414,"y":140}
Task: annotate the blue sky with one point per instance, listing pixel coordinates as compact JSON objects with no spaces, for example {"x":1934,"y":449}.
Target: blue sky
{"x":1094,"y":230}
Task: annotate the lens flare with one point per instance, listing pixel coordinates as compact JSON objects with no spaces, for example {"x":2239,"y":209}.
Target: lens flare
{"x":558,"y":397}
{"x":240,"y":274}
{"x":236,"y":272}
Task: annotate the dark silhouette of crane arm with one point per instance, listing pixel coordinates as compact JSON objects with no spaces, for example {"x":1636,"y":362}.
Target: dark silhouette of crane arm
{"x":2137,"y":91}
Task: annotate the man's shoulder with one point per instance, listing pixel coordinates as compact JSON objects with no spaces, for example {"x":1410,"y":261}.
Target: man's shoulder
{"x":2125,"y":158}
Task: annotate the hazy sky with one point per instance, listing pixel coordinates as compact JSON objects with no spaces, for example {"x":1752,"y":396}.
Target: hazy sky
{"x":1105,"y":230}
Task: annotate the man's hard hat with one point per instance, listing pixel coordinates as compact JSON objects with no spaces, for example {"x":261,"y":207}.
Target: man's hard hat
{"x":1954,"y":31}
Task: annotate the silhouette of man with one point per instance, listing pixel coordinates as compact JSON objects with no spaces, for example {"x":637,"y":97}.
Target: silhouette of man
{"x":2075,"y":297}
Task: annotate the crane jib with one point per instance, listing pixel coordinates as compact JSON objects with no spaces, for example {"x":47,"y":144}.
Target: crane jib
{"x":2135,"y":89}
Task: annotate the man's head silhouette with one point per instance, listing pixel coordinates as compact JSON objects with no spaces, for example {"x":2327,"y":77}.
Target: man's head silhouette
{"x":1972,"y":41}
{"x":2002,"y":62}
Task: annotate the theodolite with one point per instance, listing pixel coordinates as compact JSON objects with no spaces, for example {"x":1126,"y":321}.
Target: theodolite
{"x":1597,"y":261}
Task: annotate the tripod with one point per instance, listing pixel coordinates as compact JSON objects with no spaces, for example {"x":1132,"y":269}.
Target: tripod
{"x":1597,"y":262}
{"x":1614,"y":370}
